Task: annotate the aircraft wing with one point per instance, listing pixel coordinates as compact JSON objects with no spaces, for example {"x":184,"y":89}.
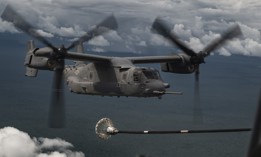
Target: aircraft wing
{"x":86,"y":57}
{"x":46,"y":52}
{"x":134,"y":60}
{"x":155,"y":59}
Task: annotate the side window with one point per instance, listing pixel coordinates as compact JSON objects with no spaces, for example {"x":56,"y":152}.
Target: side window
{"x":157,"y":75}
{"x":136,"y":77}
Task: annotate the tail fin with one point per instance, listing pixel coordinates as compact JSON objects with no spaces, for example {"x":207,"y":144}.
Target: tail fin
{"x":30,"y":72}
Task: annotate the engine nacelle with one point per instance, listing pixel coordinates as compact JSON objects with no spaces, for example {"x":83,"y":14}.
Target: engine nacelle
{"x":41,"y":63}
{"x":34,"y":63}
{"x":183,"y":67}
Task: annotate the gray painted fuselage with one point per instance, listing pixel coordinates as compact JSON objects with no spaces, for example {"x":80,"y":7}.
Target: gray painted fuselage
{"x":118,"y":77}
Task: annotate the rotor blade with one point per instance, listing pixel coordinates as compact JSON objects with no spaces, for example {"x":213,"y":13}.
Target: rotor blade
{"x":19,"y":22}
{"x":232,"y":32}
{"x":160,"y":26}
{"x":106,"y":25}
{"x":197,"y":113}
{"x":197,"y":81}
{"x":255,"y":145}
{"x":57,"y":106}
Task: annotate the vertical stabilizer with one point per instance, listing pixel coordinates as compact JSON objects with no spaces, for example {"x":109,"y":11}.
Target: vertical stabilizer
{"x":30,"y":72}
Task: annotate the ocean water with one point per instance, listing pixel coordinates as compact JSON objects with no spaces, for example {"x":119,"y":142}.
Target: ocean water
{"x":229,"y":89}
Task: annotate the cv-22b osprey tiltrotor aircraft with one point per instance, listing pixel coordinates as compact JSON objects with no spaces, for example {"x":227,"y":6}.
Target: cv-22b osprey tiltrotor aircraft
{"x":107,"y":76}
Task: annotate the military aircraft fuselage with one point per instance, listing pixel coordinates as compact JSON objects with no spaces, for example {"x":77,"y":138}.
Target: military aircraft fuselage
{"x":118,"y":77}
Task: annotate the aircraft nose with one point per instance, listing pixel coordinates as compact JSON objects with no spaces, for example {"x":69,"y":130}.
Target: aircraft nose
{"x":166,"y":85}
{"x":155,"y":85}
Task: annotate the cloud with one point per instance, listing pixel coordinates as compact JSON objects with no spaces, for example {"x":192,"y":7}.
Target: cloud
{"x":224,"y":52}
{"x":195,"y":44}
{"x":142,"y":43}
{"x":113,"y":36}
{"x":44,"y":34}
{"x":196,"y":22}
{"x":51,"y":24}
{"x":46,"y":143}
{"x":198,"y":36}
{"x":97,"y":49}
{"x":7,"y":27}
{"x":58,"y":154}
{"x":252,"y":47}
{"x":183,"y":33}
{"x":157,"y":40}
{"x":16,"y":143}
{"x":250,"y":32}
{"x":99,"y":41}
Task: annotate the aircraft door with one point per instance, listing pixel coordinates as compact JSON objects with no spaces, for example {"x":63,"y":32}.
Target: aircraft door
{"x":137,"y":84}
{"x":130,"y":82}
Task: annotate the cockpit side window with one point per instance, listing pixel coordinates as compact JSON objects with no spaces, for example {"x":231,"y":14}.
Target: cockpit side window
{"x":150,"y":74}
{"x":156,"y":75}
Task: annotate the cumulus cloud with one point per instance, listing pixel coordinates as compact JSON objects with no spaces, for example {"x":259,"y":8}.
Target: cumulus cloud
{"x":224,"y":52}
{"x":16,"y":143}
{"x":7,"y":27}
{"x":46,"y":143}
{"x":113,"y":36}
{"x":195,"y":43}
{"x":157,"y":40}
{"x":97,"y":49}
{"x":99,"y":41}
{"x":252,"y":47}
{"x":196,"y":22}
{"x":51,"y":24}
{"x":250,"y":32}
{"x":44,"y":34}
{"x":200,"y":35}
{"x":142,"y":43}
{"x":183,"y":33}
